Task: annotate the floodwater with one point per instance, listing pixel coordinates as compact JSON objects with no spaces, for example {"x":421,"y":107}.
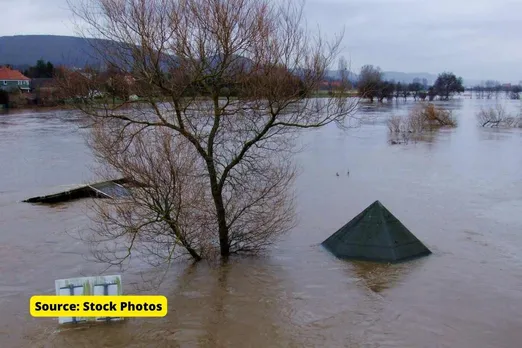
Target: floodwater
{"x":460,"y":192}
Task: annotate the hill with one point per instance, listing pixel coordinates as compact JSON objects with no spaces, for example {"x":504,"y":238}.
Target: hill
{"x":408,"y":77}
{"x":22,"y":51}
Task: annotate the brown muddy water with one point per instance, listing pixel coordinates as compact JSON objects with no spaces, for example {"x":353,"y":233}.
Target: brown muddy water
{"x":460,"y":192}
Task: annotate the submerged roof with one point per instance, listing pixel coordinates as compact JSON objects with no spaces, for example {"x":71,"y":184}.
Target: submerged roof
{"x":375,"y":235}
{"x":104,"y":189}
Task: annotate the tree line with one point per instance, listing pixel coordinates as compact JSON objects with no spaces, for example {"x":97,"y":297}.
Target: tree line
{"x":371,"y":85}
{"x":42,"y":69}
{"x":494,"y":89}
{"x":116,"y":83}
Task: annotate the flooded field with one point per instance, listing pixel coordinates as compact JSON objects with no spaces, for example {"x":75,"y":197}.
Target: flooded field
{"x":460,"y":192}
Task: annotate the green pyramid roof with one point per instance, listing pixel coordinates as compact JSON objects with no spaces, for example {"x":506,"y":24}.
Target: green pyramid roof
{"x":375,"y":235}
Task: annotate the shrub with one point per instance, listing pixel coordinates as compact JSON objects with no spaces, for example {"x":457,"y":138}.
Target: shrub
{"x":498,"y":117}
{"x":419,"y":120}
{"x":430,"y":116}
{"x":4,"y":97}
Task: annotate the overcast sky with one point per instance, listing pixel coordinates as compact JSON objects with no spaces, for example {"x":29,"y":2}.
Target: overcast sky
{"x":476,"y":39}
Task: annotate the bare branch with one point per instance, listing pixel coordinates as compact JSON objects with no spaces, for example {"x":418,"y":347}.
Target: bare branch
{"x":222,"y":88}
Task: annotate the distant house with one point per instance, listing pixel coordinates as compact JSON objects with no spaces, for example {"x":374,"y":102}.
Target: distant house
{"x":13,"y":79}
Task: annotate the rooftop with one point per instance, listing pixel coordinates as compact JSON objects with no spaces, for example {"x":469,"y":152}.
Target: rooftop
{"x":12,"y":75}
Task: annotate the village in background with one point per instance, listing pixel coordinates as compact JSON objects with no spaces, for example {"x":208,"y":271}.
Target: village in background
{"x":39,"y":86}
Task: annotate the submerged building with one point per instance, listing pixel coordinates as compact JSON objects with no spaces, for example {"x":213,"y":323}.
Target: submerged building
{"x":375,"y":235}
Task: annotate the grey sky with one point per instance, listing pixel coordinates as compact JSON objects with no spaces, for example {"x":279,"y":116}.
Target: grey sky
{"x":476,"y":39}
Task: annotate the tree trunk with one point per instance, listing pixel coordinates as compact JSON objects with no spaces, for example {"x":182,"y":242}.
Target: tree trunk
{"x":217,"y":190}
{"x":193,"y":253}
{"x":224,"y":244}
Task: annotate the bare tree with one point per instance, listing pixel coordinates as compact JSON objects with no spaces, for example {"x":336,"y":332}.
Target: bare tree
{"x":433,"y":117}
{"x":226,"y":85}
{"x":405,"y":92}
{"x":480,"y":90}
{"x":386,"y":91}
{"x":514,"y":92}
{"x":166,"y":208}
{"x":344,"y":72}
{"x":398,"y":89}
{"x":497,"y":117}
{"x":490,"y":88}
{"x":421,"y":119}
{"x":416,"y":89}
{"x":370,"y":81}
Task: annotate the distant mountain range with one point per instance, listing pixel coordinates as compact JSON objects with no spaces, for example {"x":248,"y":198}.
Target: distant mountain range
{"x":23,"y":51}
{"x":409,"y":77}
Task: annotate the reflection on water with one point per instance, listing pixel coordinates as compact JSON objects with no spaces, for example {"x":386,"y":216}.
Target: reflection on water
{"x":459,"y":191}
{"x":429,"y":138}
{"x":379,"y":277}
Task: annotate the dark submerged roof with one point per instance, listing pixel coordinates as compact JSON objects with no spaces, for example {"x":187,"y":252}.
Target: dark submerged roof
{"x":375,"y":235}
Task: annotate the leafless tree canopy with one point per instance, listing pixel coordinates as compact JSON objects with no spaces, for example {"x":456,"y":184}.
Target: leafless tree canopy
{"x":498,"y":117}
{"x":420,"y":119}
{"x":224,"y":88}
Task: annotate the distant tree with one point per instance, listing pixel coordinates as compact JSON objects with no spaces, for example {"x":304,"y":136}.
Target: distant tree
{"x":405,"y":92}
{"x":116,"y":84}
{"x":498,"y":89}
{"x":415,"y":88}
{"x":79,"y":86}
{"x":40,"y":70}
{"x":498,"y":117}
{"x":432,"y":93}
{"x":489,"y":88}
{"x":515,"y":92}
{"x":4,"y":97}
{"x":398,"y":90}
{"x":344,"y":73}
{"x":16,"y":98}
{"x":479,"y":90}
{"x":370,"y":82}
{"x":48,"y":94}
{"x":385,"y":90}
{"x":447,"y":84}
{"x":49,"y":69}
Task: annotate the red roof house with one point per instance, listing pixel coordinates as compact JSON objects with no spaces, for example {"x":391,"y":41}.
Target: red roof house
{"x":12,"y":79}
